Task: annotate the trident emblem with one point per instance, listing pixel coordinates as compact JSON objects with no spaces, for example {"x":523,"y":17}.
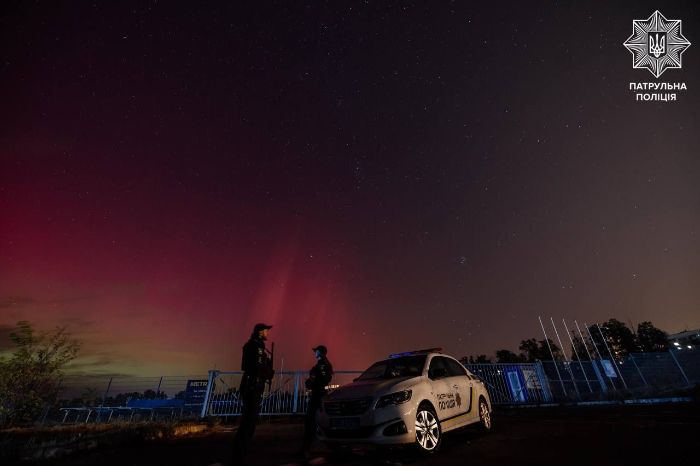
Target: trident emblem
{"x":657,"y":44}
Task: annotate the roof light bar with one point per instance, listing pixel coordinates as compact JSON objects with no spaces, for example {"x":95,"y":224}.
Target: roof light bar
{"x":411,"y":353}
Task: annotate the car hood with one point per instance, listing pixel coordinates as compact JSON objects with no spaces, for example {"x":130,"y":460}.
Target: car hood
{"x":373,"y":388}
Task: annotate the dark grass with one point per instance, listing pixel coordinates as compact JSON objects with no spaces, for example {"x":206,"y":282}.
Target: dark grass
{"x":611,"y":435}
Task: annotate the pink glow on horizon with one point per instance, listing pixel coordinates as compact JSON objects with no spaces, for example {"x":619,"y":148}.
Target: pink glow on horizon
{"x":174,"y":294}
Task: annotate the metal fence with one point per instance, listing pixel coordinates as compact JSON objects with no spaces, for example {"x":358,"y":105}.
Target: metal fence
{"x":114,"y":399}
{"x":514,"y":383}
{"x":509,"y":384}
{"x":286,"y":395}
{"x":122,"y":398}
{"x":634,"y":375}
{"x":79,"y":387}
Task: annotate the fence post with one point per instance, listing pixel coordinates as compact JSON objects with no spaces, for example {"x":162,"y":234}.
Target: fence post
{"x":546,"y":340}
{"x":600,"y":356}
{"x":612,"y":358}
{"x":601,"y":381}
{"x":207,"y":396}
{"x":679,"y":366}
{"x":104,"y":397}
{"x":639,"y":371}
{"x":603,"y":388}
{"x":573,"y":348}
{"x":544,"y":382}
{"x":295,"y":401}
{"x":567,"y":364}
{"x":160,"y":382}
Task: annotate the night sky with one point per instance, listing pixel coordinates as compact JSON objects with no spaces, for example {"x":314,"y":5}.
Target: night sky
{"x":376,"y":177}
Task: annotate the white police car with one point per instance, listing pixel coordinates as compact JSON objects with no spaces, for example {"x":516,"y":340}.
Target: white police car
{"x":412,"y":397}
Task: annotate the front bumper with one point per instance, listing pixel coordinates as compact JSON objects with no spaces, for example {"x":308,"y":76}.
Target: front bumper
{"x":391,"y":425}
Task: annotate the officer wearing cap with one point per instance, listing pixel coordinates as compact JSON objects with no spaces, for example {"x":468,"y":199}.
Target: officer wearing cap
{"x":257,"y":370}
{"x":319,"y":377}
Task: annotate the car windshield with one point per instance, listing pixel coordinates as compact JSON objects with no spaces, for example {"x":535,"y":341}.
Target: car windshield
{"x":407,"y":366}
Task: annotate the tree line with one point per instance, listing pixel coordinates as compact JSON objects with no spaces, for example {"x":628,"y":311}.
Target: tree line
{"x":599,"y":341}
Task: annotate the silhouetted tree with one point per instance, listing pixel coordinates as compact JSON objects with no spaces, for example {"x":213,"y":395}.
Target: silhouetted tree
{"x":578,"y":348}
{"x":618,"y":336}
{"x":537,"y":350}
{"x":507,"y":356}
{"x":90,"y":397}
{"x":480,"y":359}
{"x":152,"y":395}
{"x":651,"y":339}
{"x":121,"y":399}
{"x":30,"y":378}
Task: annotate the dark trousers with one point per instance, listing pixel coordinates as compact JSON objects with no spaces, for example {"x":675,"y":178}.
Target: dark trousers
{"x":310,"y":422}
{"x":246,"y":429}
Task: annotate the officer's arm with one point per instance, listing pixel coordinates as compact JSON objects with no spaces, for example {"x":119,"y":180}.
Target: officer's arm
{"x":244,"y":362}
{"x":328,"y":373}
{"x":249,"y":364}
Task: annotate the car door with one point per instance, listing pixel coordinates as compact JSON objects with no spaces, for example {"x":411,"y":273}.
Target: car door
{"x":444,"y":397}
{"x":463,"y":385}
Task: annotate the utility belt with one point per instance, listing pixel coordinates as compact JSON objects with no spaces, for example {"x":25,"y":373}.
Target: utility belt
{"x":252,"y":383}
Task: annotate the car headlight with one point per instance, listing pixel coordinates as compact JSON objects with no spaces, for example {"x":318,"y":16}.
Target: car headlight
{"x":394,"y":399}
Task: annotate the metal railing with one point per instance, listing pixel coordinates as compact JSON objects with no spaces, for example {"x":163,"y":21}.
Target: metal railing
{"x":108,"y":399}
{"x":287,"y":394}
{"x":629,"y":376}
{"x":514,"y":383}
{"x":509,"y":384}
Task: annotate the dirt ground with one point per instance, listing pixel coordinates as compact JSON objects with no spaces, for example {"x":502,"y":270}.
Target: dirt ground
{"x":619,"y":435}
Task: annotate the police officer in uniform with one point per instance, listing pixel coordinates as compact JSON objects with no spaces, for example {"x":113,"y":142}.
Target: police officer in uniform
{"x":257,"y":371}
{"x":319,"y":377}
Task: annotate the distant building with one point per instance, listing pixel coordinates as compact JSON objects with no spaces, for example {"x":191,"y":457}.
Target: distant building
{"x":687,"y":339}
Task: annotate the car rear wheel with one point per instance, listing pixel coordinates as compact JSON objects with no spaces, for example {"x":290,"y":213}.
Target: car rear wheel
{"x":428,"y":433}
{"x":484,"y":416}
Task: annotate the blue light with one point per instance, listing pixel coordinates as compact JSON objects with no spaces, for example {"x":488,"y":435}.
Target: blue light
{"x":412,"y":353}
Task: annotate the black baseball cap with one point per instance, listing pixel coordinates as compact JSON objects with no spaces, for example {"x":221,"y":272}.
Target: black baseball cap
{"x":321,"y":348}
{"x":261,"y":327}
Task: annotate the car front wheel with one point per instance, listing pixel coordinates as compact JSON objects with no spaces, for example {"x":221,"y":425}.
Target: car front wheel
{"x":428,"y":433}
{"x":484,"y":416}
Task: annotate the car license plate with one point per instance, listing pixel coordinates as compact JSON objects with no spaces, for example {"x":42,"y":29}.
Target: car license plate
{"x":345,"y":423}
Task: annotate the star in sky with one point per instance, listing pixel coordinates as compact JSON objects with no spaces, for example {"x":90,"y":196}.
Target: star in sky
{"x":656,"y":43}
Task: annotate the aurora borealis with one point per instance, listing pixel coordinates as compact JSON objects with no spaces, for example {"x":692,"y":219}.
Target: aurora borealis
{"x":374,"y":177}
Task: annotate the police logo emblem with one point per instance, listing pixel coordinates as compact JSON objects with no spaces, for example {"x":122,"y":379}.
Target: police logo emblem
{"x":656,"y":43}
